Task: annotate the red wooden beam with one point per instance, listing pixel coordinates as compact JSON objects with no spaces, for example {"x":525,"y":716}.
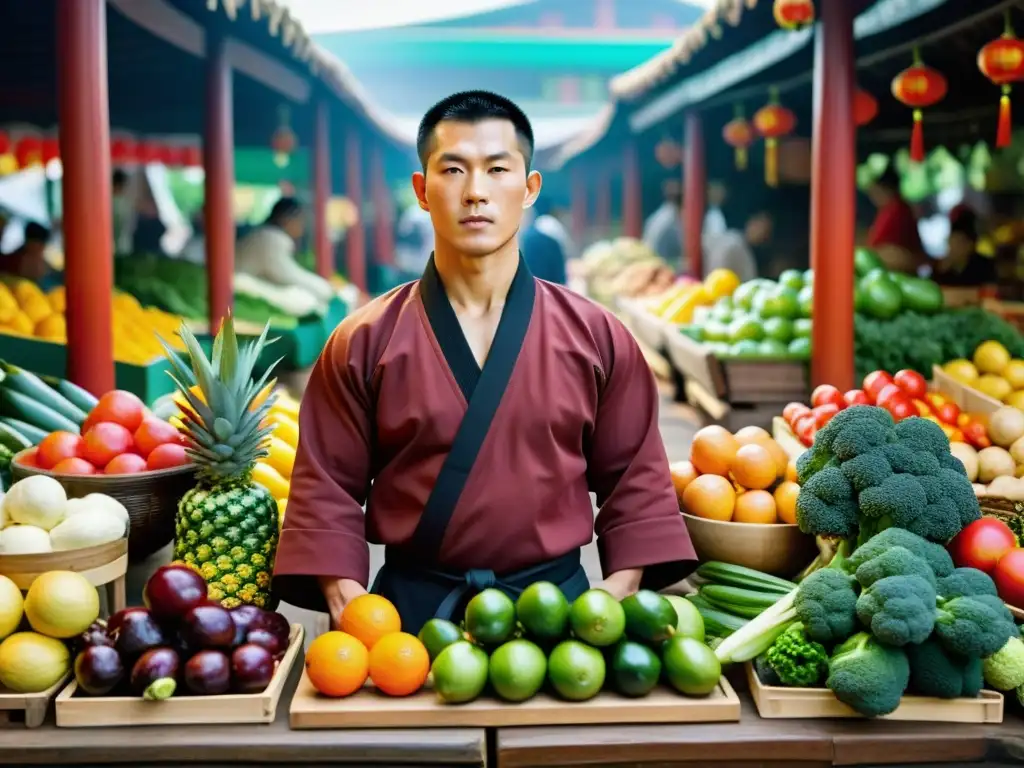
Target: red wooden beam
{"x":632,"y":203}
{"x":355,"y":241}
{"x":219,"y":162}
{"x":383,"y":216}
{"x":322,"y":191}
{"x":83,"y":112}
{"x":579,"y":204}
{"x":603,"y":203}
{"x":833,"y":197}
{"x":694,"y":193}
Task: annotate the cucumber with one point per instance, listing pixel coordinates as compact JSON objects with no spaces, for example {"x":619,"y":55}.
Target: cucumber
{"x":742,"y":611}
{"x":739,"y":597}
{"x":80,"y":398}
{"x":30,"y":385}
{"x":24,"y":408}
{"x":28,"y":431}
{"x":13,"y":439}
{"x":740,"y":576}
{"x":716,"y":622}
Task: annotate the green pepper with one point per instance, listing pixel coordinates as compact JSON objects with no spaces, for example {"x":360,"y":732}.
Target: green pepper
{"x":881,"y":295}
{"x":865,"y":261}
{"x":921,"y":295}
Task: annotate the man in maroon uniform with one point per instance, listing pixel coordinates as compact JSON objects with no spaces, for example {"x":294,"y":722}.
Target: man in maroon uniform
{"x":474,"y":411}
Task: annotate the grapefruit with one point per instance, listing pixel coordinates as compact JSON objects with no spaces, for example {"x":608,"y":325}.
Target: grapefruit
{"x":755,"y":507}
{"x":711,"y":497}
{"x":61,"y":604}
{"x":713,"y":450}
{"x":754,"y":467}
{"x":31,"y":663}
{"x":11,"y":606}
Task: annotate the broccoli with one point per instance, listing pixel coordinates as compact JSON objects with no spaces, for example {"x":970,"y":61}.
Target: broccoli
{"x":868,"y":676}
{"x":952,"y":463}
{"x":826,"y":604}
{"x":936,"y":672}
{"x":904,"y":458}
{"x":974,"y":625}
{"x":898,"y":609}
{"x":935,"y":555}
{"x":1004,"y":669}
{"x":867,"y":470}
{"x":932,"y":506}
{"x":897,"y":561}
{"x":923,"y":435}
{"x":898,"y":498}
{"x":826,"y":505}
{"x":964,"y":582}
{"x":856,"y":430}
{"x":798,"y":661}
{"x":765,"y":673}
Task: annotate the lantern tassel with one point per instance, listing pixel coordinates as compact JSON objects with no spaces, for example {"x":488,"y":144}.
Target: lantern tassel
{"x":741,"y":158}
{"x":917,"y":138}
{"x":1004,"y":133}
{"x":771,"y":162}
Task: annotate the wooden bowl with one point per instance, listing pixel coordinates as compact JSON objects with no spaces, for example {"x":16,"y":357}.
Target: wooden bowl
{"x":151,"y":499}
{"x":778,"y":548}
{"x":100,"y":564}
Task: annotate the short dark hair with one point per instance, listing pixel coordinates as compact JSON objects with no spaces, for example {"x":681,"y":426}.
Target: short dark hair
{"x":284,"y":209}
{"x":474,"y":107}
{"x":890,"y":178}
{"x":119,"y":178}
{"x":36,"y":233}
{"x":965,"y":221}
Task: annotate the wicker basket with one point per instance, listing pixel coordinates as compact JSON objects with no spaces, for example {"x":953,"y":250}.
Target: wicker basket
{"x":151,"y":499}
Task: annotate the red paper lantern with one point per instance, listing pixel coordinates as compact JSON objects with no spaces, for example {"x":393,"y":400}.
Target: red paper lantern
{"x":668,"y":153}
{"x":865,"y":107}
{"x":28,"y":152}
{"x":918,"y":87}
{"x":1002,"y":62}
{"x":51,"y":150}
{"x":739,"y":134}
{"x":794,"y":14}
{"x":192,"y":157}
{"x":123,"y":151}
{"x":148,"y":152}
{"x":772,"y":122}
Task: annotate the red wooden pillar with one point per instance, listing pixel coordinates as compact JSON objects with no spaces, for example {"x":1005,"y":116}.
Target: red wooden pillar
{"x":833,"y":197}
{"x":579,"y":204}
{"x":219,"y":162}
{"x":85,"y":153}
{"x":694,"y":194}
{"x":603,"y":204}
{"x":322,"y":191}
{"x":383,"y":236}
{"x":632,"y":202}
{"x":355,"y":242}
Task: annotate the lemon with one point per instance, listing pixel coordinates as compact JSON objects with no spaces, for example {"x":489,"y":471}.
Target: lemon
{"x":11,"y":606}
{"x":1014,"y":373}
{"x":721,"y":282}
{"x":961,"y":370}
{"x":994,"y":386}
{"x":61,"y":604}
{"x":1016,"y":400}
{"x":991,"y":357}
{"x":31,"y":663}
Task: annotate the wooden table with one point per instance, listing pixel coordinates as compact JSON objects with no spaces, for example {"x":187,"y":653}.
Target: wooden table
{"x":242,"y":744}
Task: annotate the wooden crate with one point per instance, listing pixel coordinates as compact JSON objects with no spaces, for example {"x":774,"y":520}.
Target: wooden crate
{"x":967,"y":398}
{"x":232,"y":708}
{"x":368,"y":709}
{"x":27,"y":708}
{"x":806,"y":703}
{"x":648,"y":328}
{"x":786,"y":438}
{"x":766,"y":381}
{"x":695,"y":362}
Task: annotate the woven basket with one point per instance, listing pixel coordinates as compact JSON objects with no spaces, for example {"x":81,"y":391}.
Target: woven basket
{"x":151,"y":499}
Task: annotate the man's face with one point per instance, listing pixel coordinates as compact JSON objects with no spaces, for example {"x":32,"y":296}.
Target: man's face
{"x":759,"y":229}
{"x":295,"y":226}
{"x":476,"y":185}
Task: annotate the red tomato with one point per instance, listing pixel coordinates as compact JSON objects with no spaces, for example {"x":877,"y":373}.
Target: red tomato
{"x":166,"y":456}
{"x":963,"y":420}
{"x":981,"y":544}
{"x":805,"y":428}
{"x":30,"y":458}
{"x":125,"y":464}
{"x":886,"y":393}
{"x":976,"y":434}
{"x":793,"y":411}
{"x":57,"y":446}
{"x":153,"y":432}
{"x":948,"y":413}
{"x":105,"y":441}
{"x":74,"y":466}
{"x":900,"y":407}
{"x":1008,"y":575}
{"x":823,"y":414}
{"x":826,"y":394}
{"x":874,"y":382}
{"x":117,"y":407}
{"x":856,"y":397}
{"x":911,"y":382}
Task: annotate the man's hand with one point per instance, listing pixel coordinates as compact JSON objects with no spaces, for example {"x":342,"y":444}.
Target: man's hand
{"x":339,"y":593}
{"x":622,"y":583}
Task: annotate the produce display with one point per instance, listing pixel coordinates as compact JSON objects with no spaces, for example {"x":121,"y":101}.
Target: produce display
{"x":540,"y":641}
{"x":728,"y":596}
{"x":884,"y":611}
{"x":180,"y":643}
{"x":993,"y":372}
{"x":882,"y":295}
{"x":622,"y":267}
{"x":741,"y":478}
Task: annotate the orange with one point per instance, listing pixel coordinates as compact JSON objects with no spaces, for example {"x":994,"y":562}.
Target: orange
{"x":683,"y":473}
{"x":785,"y":501}
{"x":748,"y":435}
{"x":791,"y":471}
{"x":711,"y":497}
{"x":713,"y":450}
{"x":755,"y":507}
{"x":779,"y":454}
{"x":753,"y":467}
{"x":399,"y":664}
{"x":369,"y":617}
{"x":337,"y":664}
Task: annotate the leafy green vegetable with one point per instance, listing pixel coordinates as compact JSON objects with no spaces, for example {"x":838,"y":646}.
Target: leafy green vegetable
{"x":797,"y":660}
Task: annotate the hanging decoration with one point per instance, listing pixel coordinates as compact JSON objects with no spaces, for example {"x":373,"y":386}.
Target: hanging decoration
{"x":192,"y":157}
{"x":29,"y":152}
{"x":772,"y":122}
{"x":122,"y":151}
{"x":865,"y":107}
{"x":148,"y":152}
{"x":668,"y":153}
{"x":283,"y":141}
{"x":794,"y":14}
{"x":919,"y":87}
{"x":50,"y":150}
{"x":1002,"y":62}
{"x":739,"y":134}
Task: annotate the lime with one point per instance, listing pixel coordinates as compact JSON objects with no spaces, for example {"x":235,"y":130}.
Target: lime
{"x":543,"y":611}
{"x":800,"y":348}
{"x":778,"y":329}
{"x":806,"y":300}
{"x":635,"y":669}
{"x":716,"y":331}
{"x":459,"y":672}
{"x":490,"y":617}
{"x":690,"y":666}
{"x":438,"y":634}
{"x":517,"y":670}
{"x":597,"y":618}
{"x":689,"y":621}
{"x":745,"y":349}
{"x":772,"y":348}
{"x":792,"y":278}
{"x":742,"y":329}
{"x":649,"y":616}
{"x":802,"y":328}
{"x":576,"y":671}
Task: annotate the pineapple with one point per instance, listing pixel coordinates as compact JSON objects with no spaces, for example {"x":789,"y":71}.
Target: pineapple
{"x":227,"y":525}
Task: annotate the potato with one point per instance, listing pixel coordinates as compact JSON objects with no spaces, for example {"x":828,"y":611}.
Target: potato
{"x":995,"y":462}
{"x":1006,"y":426}
{"x":968,"y":457}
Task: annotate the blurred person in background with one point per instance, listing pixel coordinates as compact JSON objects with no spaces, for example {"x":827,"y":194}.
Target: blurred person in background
{"x":734,"y":250}
{"x":963,"y":266}
{"x":663,"y":230}
{"x":714,"y":218}
{"x":123,"y":210}
{"x":29,"y":261}
{"x":414,"y":242}
{"x":550,"y":220}
{"x":894,"y":234}
{"x":545,"y":254}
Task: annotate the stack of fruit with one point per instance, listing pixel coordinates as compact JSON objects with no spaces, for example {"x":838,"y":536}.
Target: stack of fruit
{"x":519,"y":646}
{"x":998,"y":468}
{"x":680,"y":304}
{"x":741,"y":478}
{"x":58,"y":607}
{"x":883,"y":295}
{"x":994,"y":546}
{"x":181,"y":638}
{"x":992,"y":372}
